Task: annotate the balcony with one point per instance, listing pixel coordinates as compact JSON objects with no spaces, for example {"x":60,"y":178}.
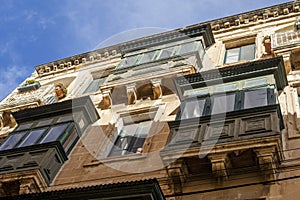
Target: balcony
{"x":229,"y":121}
{"x":34,"y":152}
{"x":285,"y":39}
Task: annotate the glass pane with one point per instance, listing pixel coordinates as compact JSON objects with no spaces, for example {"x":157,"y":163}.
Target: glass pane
{"x":147,"y":57}
{"x":143,"y":129}
{"x":12,"y":140}
{"x":94,"y":85}
{"x":226,"y":88}
{"x":232,"y":55}
{"x":256,"y":82}
{"x":247,"y":52}
{"x":24,"y":126}
{"x":65,"y":118}
{"x":223,"y":104}
{"x":196,"y":92}
{"x":166,"y":53}
{"x":128,"y":61}
{"x":255,"y":98}
{"x":32,"y":137}
{"x":193,"y":109}
{"x":44,"y":122}
{"x":186,"y":48}
{"x":54,"y":133}
{"x":129,"y":129}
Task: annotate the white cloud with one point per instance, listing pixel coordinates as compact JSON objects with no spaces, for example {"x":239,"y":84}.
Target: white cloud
{"x":10,"y":78}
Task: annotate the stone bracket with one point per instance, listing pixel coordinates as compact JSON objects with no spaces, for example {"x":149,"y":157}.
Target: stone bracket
{"x":177,"y":172}
{"x":220,"y":165}
{"x":267,"y":162}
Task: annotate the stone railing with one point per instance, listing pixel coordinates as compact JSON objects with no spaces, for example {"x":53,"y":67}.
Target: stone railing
{"x":41,"y":96}
{"x":285,"y":38}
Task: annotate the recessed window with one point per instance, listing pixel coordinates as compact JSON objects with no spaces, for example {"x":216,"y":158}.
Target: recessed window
{"x":236,"y":54}
{"x":131,"y":139}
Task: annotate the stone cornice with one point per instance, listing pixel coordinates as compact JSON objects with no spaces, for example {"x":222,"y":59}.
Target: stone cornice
{"x":251,"y":17}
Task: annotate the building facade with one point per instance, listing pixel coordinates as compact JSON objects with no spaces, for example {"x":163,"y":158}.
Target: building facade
{"x":208,"y":111}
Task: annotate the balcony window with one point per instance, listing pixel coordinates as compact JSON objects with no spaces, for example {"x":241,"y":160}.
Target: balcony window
{"x":236,"y":54}
{"x":131,"y":139}
{"x":223,"y":103}
{"x":94,"y":86}
{"x":38,"y":132}
{"x":227,"y":102}
{"x":193,"y":109}
{"x":147,"y":57}
{"x":32,"y":137}
{"x":254,"y":98}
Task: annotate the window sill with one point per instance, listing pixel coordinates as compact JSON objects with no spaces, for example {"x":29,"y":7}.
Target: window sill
{"x":130,"y":157}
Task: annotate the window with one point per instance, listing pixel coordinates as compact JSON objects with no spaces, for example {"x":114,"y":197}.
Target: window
{"x":41,"y":131}
{"x":223,"y":103}
{"x":128,"y":61}
{"x":227,"y":101}
{"x":253,"y":98}
{"x":131,"y":139}
{"x":193,"y":109}
{"x":94,"y":85}
{"x":147,"y":57}
{"x":246,"y":52}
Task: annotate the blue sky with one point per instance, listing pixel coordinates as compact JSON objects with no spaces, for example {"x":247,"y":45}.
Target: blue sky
{"x":33,"y":32}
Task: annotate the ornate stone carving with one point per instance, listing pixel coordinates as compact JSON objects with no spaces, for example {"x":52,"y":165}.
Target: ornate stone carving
{"x":156,"y":87}
{"x":131,"y":94}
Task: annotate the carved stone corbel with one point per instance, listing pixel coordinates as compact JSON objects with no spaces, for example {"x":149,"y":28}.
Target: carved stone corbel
{"x":267,"y":162}
{"x":156,"y":87}
{"x":106,"y":99}
{"x":220,"y":165}
{"x":177,"y":173}
{"x":7,"y":120}
{"x":131,"y":94}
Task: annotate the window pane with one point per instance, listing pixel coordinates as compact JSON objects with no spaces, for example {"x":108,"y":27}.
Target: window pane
{"x":54,"y":133}
{"x":65,"y":118}
{"x":226,"y":87}
{"x":44,"y":122}
{"x":166,"y":53}
{"x":196,"y":92}
{"x":186,"y":48}
{"x":255,"y":98}
{"x":94,"y":85}
{"x":232,"y":55}
{"x":256,"y":82}
{"x":128,"y":61}
{"x":143,"y":129}
{"x":32,"y":137}
{"x":193,"y":109}
{"x":247,"y":52}
{"x":223,"y":104}
{"x":147,"y":57}
{"x":11,"y":141}
{"x":24,"y":126}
